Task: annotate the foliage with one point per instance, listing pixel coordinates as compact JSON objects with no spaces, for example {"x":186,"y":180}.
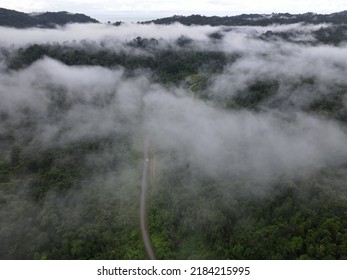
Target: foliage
{"x":70,"y":200}
{"x":47,"y":20}
{"x":209,"y":219}
{"x":255,"y":19}
{"x":169,"y":66}
{"x":63,"y":202}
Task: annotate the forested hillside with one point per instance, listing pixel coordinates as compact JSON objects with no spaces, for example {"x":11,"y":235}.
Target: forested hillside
{"x":256,"y":19}
{"x":247,"y":133}
{"x":17,"y":19}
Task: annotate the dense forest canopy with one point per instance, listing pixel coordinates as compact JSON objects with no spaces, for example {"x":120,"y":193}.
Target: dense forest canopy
{"x":255,"y":19}
{"x":247,"y":128}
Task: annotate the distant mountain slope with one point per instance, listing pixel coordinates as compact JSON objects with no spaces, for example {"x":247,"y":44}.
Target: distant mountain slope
{"x":16,"y":19}
{"x":255,"y":19}
{"x":49,"y":19}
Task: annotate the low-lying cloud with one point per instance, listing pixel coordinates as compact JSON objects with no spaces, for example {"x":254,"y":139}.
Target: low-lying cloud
{"x":80,"y":129}
{"x":252,"y":145}
{"x":72,"y":103}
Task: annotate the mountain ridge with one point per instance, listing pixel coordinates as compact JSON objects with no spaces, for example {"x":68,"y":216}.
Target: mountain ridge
{"x":12,"y":18}
{"x":255,"y":19}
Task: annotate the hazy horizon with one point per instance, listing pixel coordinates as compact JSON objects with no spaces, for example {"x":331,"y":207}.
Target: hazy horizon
{"x":132,"y":18}
{"x":132,"y":11}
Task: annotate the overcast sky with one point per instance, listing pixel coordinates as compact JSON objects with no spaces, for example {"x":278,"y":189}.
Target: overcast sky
{"x":105,"y":10}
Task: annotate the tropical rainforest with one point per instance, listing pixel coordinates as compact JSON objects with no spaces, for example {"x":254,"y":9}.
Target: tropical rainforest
{"x":247,"y":133}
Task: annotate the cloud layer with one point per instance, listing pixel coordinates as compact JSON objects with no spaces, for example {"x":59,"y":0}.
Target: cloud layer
{"x":100,"y":101}
{"x":81,"y":129}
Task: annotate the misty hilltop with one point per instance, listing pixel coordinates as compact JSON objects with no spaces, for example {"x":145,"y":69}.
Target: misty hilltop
{"x":255,"y":19}
{"x":12,"y":18}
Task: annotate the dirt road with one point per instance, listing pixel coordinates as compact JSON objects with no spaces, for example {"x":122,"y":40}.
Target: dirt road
{"x":143,"y":203}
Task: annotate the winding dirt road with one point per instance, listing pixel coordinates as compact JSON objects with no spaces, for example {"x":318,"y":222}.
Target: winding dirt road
{"x":144,"y":189}
{"x":143,"y":203}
